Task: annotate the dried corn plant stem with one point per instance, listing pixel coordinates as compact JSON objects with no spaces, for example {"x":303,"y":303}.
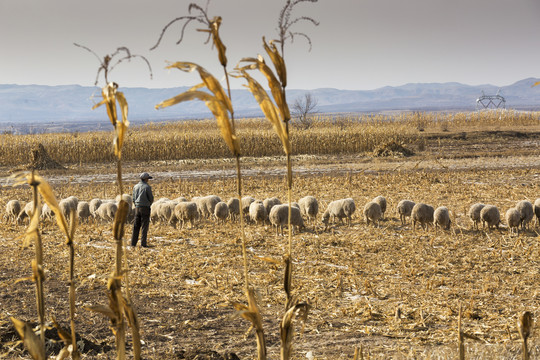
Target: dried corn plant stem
{"x":461,"y":337}
{"x":525,"y":324}
{"x":219,"y":103}
{"x":39,"y":276}
{"x":119,"y":306}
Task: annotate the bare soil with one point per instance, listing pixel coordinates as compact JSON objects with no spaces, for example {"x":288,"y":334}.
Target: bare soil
{"x":391,"y":292}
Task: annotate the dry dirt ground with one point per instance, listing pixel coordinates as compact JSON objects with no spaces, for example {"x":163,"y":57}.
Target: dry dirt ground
{"x":390,"y":292}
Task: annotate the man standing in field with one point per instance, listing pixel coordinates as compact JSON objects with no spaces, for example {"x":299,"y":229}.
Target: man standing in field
{"x":143,"y":199}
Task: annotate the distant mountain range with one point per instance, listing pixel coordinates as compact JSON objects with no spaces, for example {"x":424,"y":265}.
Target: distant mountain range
{"x":57,"y":107}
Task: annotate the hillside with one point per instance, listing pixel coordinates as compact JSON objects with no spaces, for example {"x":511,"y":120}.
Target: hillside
{"x":55,"y":106}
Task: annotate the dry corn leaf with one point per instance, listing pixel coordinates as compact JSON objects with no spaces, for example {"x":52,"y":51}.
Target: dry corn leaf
{"x":215,"y":23}
{"x":121,"y":128}
{"x":46,"y":192}
{"x":217,"y":108}
{"x":133,"y":322}
{"x":287,"y":328}
{"x":31,"y":341}
{"x":32,"y":231}
{"x":103,"y":309}
{"x":120,"y":220}
{"x":210,"y":81}
{"x":277,"y":60}
{"x":288,"y":276}
{"x":64,"y":335}
{"x":269,"y":109}
{"x":273,"y":84}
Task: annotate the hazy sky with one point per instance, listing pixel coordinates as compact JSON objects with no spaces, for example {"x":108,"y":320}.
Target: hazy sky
{"x":359,"y":44}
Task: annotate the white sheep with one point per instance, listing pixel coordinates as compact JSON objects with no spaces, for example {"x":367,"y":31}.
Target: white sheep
{"x":221,"y":211}
{"x":180,"y":199}
{"x":513,"y":219}
{"x":234,"y":208}
{"x":309,"y":207}
{"x":474,"y":213}
{"x":526,"y":212}
{"x":93,"y":205}
{"x":269,"y":203}
{"x":68,"y":206}
{"x":372,"y":212}
{"x":423,"y":214}
{"x":107,"y":211}
{"x":83,"y":211}
{"x":441,"y":217}
{"x":126,"y":197}
{"x":490,"y":215}
{"x":166,"y":212}
{"x":207,"y":204}
{"x":404,"y":209}
{"x":257,"y":212}
{"x":186,"y":211}
{"x":154,"y":209}
{"x":537,"y":210}
{"x":26,"y":212}
{"x":47,"y":213}
{"x":246,"y":201}
{"x":13,"y":209}
{"x":341,"y":209}
{"x":279,"y":217}
{"x":381,"y":200}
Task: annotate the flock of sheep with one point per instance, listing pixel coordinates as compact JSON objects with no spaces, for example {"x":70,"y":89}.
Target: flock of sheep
{"x":271,"y":210}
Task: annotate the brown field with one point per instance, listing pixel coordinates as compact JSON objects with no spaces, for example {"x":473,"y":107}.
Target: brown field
{"x":355,"y":278}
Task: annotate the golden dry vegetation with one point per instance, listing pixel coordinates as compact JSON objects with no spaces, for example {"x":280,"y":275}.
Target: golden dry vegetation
{"x":390,"y":291}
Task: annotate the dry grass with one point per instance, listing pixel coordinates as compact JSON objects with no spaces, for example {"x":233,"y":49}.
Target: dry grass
{"x":355,"y":278}
{"x":202,"y":139}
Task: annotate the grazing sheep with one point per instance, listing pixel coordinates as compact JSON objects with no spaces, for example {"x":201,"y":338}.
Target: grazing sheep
{"x":257,"y":212}
{"x":26,"y":212}
{"x":13,"y":209}
{"x":381,"y":200}
{"x":423,"y":214}
{"x":106,"y":211}
{"x":490,"y":215}
{"x":221,"y":212}
{"x":180,"y":199}
{"x":474,"y":214}
{"x":526,"y":212}
{"x":537,"y":210}
{"x":166,"y":212}
{"x":246,"y":201}
{"x":372,"y":212}
{"x":269,"y":203}
{"x":234,"y":208}
{"x":83,"y":211}
{"x":404,"y":209}
{"x":68,"y":206}
{"x":279,"y":217}
{"x":154,"y":209}
{"x":441,"y":217}
{"x":126,"y":197}
{"x":343,"y":208}
{"x":47,"y":213}
{"x":309,"y":207}
{"x":94,"y":204}
{"x":513,"y":219}
{"x":207,"y":204}
{"x":186,"y":211}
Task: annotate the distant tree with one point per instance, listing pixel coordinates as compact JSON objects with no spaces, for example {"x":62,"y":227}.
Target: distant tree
{"x":303,"y":107}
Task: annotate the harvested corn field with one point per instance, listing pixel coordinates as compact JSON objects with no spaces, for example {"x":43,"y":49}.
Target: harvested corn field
{"x":385,"y":292}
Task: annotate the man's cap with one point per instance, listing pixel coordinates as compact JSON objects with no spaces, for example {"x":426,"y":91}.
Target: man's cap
{"x":145,"y":176}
